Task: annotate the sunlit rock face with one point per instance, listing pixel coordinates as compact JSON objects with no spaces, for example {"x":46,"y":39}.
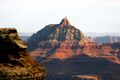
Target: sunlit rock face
{"x":15,"y":62}
{"x":65,"y":52}
{"x":56,"y":39}
{"x":63,"y":40}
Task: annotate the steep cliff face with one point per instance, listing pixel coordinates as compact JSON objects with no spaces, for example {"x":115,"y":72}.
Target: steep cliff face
{"x":15,"y":62}
{"x":63,"y":36}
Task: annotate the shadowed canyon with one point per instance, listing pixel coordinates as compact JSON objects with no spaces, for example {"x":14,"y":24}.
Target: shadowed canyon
{"x":68,"y":55}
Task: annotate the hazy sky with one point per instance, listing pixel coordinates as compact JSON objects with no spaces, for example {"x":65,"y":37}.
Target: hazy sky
{"x":87,"y":15}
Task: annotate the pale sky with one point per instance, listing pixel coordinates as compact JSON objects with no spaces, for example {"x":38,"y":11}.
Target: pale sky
{"x":101,"y":16}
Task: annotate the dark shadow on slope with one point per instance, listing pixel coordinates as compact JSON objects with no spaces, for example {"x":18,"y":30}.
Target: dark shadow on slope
{"x":80,"y":65}
{"x":53,"y":49}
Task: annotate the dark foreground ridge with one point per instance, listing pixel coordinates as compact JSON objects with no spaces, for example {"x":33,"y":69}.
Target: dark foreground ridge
{"x":15,"y":62}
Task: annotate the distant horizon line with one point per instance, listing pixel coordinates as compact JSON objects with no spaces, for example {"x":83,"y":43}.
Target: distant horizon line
{"x":82,"y":31}
{"x":87,"y":34}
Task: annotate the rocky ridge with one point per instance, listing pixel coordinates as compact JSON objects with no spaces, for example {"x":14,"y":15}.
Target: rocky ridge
{"x":65,"y":52}
{"x":64,"y":41}
{"x":62,"y":38}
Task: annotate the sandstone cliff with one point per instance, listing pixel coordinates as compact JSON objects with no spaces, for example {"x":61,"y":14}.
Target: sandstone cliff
{"x":15,"y":62}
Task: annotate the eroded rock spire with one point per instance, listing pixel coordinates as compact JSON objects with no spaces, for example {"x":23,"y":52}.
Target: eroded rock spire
{"x":65,"y":21}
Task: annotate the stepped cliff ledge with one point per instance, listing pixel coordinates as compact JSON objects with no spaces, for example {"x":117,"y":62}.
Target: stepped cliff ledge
{"x":15,"y":62}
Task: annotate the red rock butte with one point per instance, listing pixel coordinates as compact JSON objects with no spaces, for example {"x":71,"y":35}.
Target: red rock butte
{"x":63,"y":41}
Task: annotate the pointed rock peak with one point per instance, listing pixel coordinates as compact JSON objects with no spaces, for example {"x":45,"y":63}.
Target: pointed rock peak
{"x":65,"y":21}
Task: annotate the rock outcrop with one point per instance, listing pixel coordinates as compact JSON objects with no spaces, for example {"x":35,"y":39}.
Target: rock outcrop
{"x":65,"y":52}
{"x":86,"y":77}
{"x":64,"y":41}
{"x":56,"y":39}
{"x":65,"y":21}
{"x":15,"y":62}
